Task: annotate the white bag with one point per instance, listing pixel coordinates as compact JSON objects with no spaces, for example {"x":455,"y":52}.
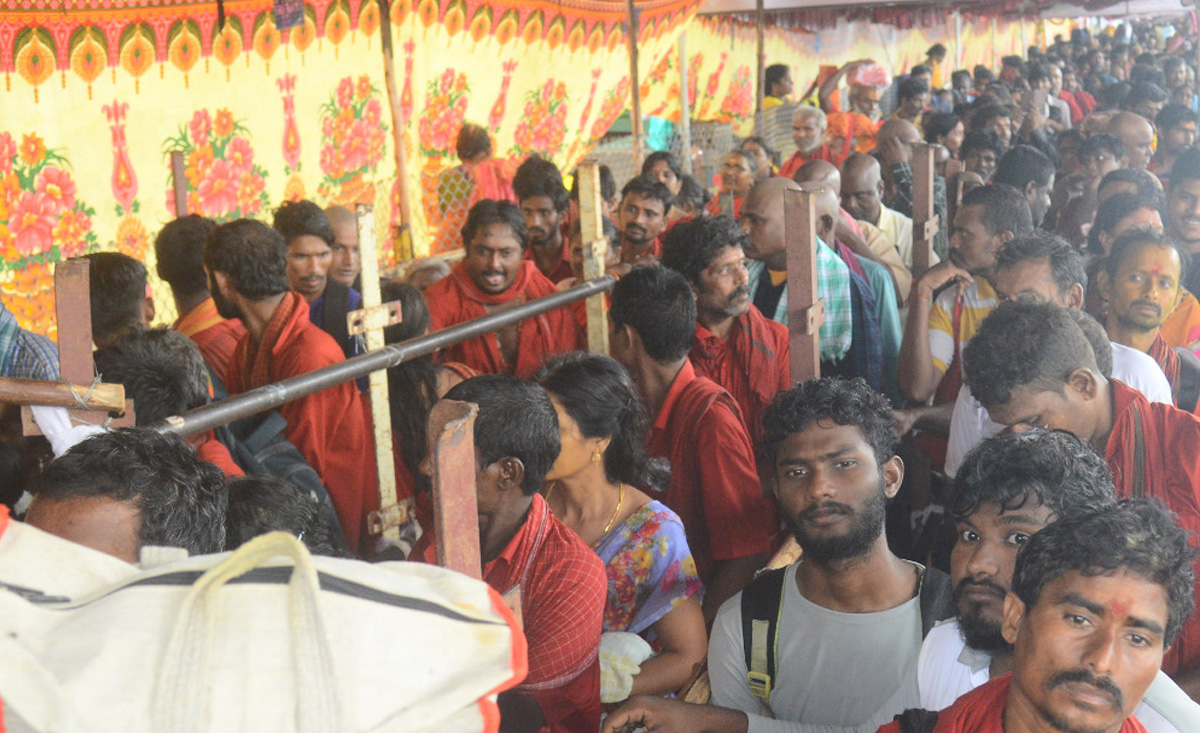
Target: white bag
{"x":243,"y":641}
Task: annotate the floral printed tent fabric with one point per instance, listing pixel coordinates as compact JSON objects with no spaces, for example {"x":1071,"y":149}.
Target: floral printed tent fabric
{"x":98,"y":93}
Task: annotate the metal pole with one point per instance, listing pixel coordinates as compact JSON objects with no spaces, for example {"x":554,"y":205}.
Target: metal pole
{"x":995,"y":41}
{"x":958,"y":49}
{"x":632,"y":24}
{"x":179,"y":187}
{"x":271,"y":396}
{"x":760,"y":22}
{"x":685,"y":108}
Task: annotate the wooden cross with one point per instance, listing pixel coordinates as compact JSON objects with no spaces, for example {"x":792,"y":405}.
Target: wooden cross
{"x":371,"y":320}
{"x":806,"y":312}
{"x":76,"y":370}
{"x":925,"y":220}
{"x":595,"y":249}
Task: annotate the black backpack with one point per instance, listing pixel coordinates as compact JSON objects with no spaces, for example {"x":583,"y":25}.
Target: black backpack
{"x":762,"y":605}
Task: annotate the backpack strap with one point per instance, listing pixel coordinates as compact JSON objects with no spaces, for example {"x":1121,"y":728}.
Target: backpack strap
{"x":917,"y":721}
{"x":936,"y":599}
{"x":762,"y":605}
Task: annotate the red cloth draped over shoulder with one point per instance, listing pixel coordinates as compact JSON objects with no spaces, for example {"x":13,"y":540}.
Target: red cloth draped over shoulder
{"x":982,"y":711}
{"x":456,"y":299}
{"x":330,"y":427}
{"x":216,"y":337}
{"x":753,"y":364}
{"x":798,"y":159}
{"x":1165,"y":442}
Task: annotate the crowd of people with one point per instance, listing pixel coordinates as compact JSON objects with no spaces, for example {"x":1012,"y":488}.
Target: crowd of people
{"x":994,"y":481}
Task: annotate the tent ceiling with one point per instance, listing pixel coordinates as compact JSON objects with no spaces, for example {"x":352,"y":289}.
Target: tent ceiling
{"x":1049,"y":8}
{"x":748,"y":6}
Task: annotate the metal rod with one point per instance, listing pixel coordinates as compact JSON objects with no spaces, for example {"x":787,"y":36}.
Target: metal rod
{"x":685,"y":111}
{"x":271,"y":396}
{"x":760,"y":23}
{"x":633,"y":25}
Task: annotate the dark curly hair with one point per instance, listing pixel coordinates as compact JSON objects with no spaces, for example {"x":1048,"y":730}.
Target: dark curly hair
{"x":692,"y":245}
{"x":261,"y":503}
{"x":1053,"y":467}
{"x":117,"y":293}
{"x":1136,"y":535}
{"x":838,"y":400}
{"x":665,"y":156}
{"x":252,"y":255}
{"x":601,"y":398}
{"x":1115,"y":209}
{"x":691,"y":192}
{"x":1024,"y":344}
{"x":659,"y":304}
{"x":472,"y":142}
{"x":1066,"y":265}
{"x":181,"y":498}
{"x":490,"y":211}
{"x":299,"y":218}
{"x":650,"y":187}
{"x":162,"y":372}
{"x":1132,"y":241}
{"x":540,"y":177}
{"x":179,"y":253}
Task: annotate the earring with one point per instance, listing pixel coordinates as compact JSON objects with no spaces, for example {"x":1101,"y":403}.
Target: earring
{"x":596,"y":456}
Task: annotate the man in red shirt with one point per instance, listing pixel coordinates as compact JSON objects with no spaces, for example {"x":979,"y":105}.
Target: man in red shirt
{"x":495,"y":275}
{"x":562,"y":581}
{"x":179,"y":251}
{"x":808,"y":132}
{"x":546,"y":206}
{"x":641,"y":217}
{"x":247,"y":263}
{"x":1096,"y":599}
{"x":1030,"y":365}
{"x":697,"y":428}
{"x":735,"y":346}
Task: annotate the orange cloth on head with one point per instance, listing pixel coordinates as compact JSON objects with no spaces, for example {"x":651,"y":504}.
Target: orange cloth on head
{"x":330,"y":427}
{"x":982,"y":711}
{"x":215,"y":336}
{"x":1169,"y":454}
{"x":1182,"y":327}
{"x":456,"y":299}
{"x":753,"y":364}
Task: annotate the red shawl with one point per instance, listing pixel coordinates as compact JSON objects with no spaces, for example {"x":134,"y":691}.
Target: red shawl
{"x":798,"y":159}
{"x":216,"y":337}
{"x":456,"y":299}
{"x":1154,"y":451}
{"x":329,"y":428}
{"x":982,"y":711}
{"x":1167,"y":360}
{"x":753,"y":364}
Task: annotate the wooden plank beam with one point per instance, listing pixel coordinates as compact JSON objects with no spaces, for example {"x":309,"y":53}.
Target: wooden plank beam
{"x":179,"y":187}
{"x":685,"y":108}
{"x":108,"y":397}
{"x":455,"y":511}
{"x":632,"y":26}
{"x":760,"y":27}
{"x":595,"y":248}
{"x":806,"y":312}
{"x":925,"y":221}
{"x":381,"y":414}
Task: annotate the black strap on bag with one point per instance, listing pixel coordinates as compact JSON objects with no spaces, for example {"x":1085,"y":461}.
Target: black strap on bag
{"x":334,"y":309}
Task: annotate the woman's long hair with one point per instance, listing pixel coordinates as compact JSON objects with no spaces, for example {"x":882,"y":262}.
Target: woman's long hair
{"x":412,"y":386}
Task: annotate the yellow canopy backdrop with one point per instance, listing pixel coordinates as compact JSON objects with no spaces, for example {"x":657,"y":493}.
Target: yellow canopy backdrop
{"x":98,"y":92}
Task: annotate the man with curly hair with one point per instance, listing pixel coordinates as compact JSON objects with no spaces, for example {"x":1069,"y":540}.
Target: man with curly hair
{"x":735,"y":346}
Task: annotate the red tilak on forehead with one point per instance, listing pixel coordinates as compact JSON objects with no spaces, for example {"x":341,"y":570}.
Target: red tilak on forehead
{"x":1120,"y":608}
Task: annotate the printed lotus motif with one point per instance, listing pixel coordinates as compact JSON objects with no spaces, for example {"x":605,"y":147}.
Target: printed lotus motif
{"x":352,"y":141}
{"x":223,"y":180}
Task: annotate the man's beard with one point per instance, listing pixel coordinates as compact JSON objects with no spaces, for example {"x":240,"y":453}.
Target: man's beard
{"x":733,"y":306}
{"x":809,"y":146}
{"x":857,"y":541}
{"x":1141,"y":323}
{"x":979,"y":633}
{"x":636,"y":235}
{"x":225,"y":307}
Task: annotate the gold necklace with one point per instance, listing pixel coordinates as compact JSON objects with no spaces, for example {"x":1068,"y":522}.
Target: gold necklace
{"x":616,"y":512}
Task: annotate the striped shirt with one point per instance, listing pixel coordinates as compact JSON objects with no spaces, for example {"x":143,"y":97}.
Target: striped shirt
{"x":978,"y":301}
{"x":25,"y":355}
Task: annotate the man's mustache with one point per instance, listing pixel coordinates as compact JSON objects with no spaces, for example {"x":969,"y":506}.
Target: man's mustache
{"x":1104,"y":684}
{"x":967,"y":584}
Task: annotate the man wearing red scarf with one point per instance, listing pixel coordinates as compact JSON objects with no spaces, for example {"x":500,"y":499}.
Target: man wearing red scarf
{"x":492,"y":277}
{"x":735,"y":346}
{"x":246,"y":261}
{"x":1030,"y":365}
{"x":1141,"y":282}
{"x":1097,"y":597}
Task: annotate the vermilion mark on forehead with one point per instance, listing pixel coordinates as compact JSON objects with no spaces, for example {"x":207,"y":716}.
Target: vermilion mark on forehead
{"x":1120,"y":608}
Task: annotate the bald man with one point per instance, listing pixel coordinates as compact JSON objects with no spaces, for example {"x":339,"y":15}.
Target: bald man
{"x":894,"y":151}
{"x":347,"y":261}
{"x":862,"y":198}
{"x":1137,"y":135}
{"x":762,"y":219}
{"x":808,"y":132}
{"x":875,"y":271}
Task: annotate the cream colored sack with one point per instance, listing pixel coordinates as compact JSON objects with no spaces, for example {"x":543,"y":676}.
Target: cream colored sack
{"x":267,"y":638}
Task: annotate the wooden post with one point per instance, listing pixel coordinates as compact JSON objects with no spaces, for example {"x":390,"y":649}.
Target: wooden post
{"x":632,"y":23}
{"x":995,"y":43}
{"x":73,"y":309}
{"x":371,"y":321}
{"x":595,"y":247}
{"x":179,"y":183}
{"x":925,"y":221}
{"x":958,"y":49}
{"x":108,"y":397}
{"x":1024,"y":43}
{"x":806,"y":312}
{"x":398,"y":123}
{"x":455,"y":511}
{"x":760,"y":22}
{"x":685,"y":109}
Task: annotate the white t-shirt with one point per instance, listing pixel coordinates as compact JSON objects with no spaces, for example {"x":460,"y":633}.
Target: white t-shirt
{"x":833,"y":668}
{"x":970,"y":424}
